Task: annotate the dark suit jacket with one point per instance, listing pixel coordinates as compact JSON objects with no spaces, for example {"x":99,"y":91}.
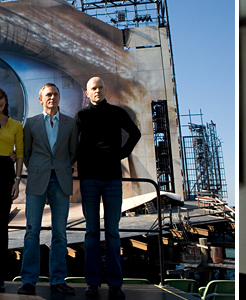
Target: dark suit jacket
{"x":39,"y":159}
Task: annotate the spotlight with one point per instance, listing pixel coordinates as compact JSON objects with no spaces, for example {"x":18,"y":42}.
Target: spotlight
{"x":113,"y":21}
{"x":148,"y":18}
{"x":121,"y":16}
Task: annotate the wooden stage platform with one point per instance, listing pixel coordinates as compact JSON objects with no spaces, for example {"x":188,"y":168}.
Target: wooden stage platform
{"x":132,"y":292}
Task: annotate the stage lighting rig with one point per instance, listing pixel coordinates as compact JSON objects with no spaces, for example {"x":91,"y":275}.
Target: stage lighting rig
{"x":146,"y":18}
{"x":121,"y":16}
{"x":113,"y":21}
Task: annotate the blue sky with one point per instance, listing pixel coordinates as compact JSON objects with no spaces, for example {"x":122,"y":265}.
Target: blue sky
{"x":203,"y":43}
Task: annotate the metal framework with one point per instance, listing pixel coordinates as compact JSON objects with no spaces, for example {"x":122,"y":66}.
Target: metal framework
{"x":124,"y":13}
{"x":162,"y":140}
{"x":204,"y":164}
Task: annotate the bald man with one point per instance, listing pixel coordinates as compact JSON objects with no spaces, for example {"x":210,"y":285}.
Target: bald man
{"x":99,"y":169}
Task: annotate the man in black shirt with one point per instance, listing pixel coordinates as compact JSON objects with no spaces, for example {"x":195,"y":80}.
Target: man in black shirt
{"x":99,"y":170}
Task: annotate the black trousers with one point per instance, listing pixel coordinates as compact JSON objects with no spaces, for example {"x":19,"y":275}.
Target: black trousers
{"x":7,"y":175}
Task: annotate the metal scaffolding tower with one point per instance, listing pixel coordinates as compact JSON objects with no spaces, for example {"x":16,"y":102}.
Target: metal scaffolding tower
{"x":204,"y":164}
{"x":162,"y":140}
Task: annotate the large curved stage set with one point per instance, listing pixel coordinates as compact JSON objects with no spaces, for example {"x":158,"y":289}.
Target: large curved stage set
{"x":51,"y":41}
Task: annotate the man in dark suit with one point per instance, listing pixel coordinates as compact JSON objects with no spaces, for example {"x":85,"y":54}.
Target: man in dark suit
{"x":50,"y":149}
{"x":99,"y":167}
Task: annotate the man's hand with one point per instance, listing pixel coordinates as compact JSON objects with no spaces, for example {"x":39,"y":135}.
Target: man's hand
{"x":12,"y":155}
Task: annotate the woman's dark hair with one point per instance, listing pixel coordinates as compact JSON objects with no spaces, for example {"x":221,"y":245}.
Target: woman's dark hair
{"x":6,"y":107}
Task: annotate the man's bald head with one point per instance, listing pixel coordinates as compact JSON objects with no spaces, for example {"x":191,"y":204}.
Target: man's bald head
{"x":95,"y":90}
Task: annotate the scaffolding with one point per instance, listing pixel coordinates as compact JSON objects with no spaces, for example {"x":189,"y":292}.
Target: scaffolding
{"x":124,"y":13}
{"x":162,"y":145}
{"x":204,"y":164}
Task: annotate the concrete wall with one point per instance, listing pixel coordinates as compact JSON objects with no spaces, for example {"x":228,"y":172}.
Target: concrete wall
{"x":149,"y":47}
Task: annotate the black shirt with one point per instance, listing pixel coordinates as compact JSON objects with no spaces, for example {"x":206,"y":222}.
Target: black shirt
{"x":100,"y":140}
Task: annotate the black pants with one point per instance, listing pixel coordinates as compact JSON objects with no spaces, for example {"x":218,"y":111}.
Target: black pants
{"x":6,"y":183}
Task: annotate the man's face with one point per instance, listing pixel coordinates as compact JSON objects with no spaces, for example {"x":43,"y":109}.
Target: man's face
{"x":95,"y":90}
{"x":50,"y":98}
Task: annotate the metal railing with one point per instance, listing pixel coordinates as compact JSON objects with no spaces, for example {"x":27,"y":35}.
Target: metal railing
{"x":158,"y":230}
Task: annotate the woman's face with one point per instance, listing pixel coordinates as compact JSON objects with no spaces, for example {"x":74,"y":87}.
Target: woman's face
{"x":2,"y":104}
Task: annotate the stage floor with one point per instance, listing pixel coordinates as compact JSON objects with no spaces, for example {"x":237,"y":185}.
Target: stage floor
{"x":133,"y":292}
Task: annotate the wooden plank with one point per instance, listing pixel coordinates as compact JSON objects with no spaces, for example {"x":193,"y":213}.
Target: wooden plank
{"x":211,"y":228}
{"x":71,"y":252}
{"x":16,"y":254}
{"x":165,"y":241}
{"x":197,"y":230}
{"x":139,"y":245}
{"x":176,"y":233}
